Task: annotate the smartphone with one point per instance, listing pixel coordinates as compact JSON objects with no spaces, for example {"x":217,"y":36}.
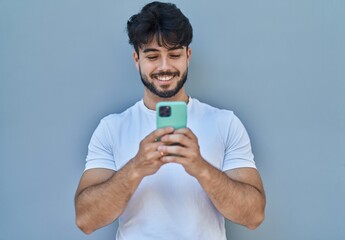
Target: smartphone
{"x":171,"y":114}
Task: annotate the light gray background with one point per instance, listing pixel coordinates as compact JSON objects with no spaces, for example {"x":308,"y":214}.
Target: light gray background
{"x":278,"y":64}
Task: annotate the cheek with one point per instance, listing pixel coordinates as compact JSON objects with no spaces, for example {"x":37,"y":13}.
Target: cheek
{"x":183,"y":67}
{"x":145,"y":70}
{"x":146,"y":67}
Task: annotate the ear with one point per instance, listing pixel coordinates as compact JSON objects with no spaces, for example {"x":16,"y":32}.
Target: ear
{"x":189,"y":54}
{"x":136,"y":59}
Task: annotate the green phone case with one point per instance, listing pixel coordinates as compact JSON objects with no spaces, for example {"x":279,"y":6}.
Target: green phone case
{"x":177,"y":118}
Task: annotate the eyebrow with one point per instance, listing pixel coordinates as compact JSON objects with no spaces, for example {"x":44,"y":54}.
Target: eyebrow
{"x":174,"y":48}
{"x":146,"y":50}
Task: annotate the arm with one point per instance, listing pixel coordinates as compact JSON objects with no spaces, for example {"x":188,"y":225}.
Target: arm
{"x":103,"y":194}
{"x":237,"y":194}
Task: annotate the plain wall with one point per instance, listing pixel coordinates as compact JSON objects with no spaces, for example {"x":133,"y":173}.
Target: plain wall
{"x":279,"y":65}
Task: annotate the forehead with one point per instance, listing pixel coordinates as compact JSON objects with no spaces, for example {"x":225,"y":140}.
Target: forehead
{"x":153,"y":46}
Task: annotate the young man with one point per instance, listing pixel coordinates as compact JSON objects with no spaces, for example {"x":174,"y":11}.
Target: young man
{"x":156,"y":189}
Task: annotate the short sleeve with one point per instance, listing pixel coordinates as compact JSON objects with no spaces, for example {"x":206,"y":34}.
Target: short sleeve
{"x":238,"y":151}
{"x":100,"y":152}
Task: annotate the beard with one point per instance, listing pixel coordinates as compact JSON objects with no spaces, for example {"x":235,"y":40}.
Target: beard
{"x":164,"y":93}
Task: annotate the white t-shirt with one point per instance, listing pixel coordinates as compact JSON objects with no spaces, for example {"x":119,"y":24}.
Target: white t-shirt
{"x":171,"y":204}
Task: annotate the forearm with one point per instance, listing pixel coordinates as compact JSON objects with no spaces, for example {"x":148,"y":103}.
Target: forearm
{"x":103,"y":195}
{"x":239,"y":202}
{"x":99,"y":205}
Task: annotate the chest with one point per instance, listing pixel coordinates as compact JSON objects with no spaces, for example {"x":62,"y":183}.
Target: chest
{"x":131,"y":133}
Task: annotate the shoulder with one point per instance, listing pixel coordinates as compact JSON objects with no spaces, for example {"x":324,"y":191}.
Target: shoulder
{"x":211,"y":111}
{"x":117,"y":118}
{"x":223,"y":119}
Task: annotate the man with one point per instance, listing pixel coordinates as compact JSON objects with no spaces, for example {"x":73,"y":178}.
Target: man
{"x":157,"y":189}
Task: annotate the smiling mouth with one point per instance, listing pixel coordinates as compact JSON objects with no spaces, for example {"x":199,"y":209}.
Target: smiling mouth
{"x":164,"y":76}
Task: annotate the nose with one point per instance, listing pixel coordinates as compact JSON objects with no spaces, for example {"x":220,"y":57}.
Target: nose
{"x":164,"y":64}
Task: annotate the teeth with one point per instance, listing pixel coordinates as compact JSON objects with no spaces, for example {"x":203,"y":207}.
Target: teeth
{"x":164,"y":78}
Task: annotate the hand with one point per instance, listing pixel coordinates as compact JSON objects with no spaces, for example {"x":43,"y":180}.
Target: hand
{"x":182,"y":147}
{"x":147,"y":160}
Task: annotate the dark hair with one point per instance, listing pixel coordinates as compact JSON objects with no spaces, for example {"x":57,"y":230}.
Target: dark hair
{"x":164,"y":21}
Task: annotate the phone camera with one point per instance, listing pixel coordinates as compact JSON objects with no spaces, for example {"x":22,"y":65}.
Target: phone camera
{"x":164,"y":111}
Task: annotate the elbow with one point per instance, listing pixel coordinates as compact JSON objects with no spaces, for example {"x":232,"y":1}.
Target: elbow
{"x":87,"y":225}
{"x":256,"y":221}
{"x":83,"y":226}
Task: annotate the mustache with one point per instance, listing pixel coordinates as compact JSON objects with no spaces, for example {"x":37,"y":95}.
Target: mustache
{"x":165,"y":73}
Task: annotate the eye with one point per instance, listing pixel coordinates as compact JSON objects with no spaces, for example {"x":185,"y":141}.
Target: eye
{"x":150,"y":57}
{"x":175,"y":56}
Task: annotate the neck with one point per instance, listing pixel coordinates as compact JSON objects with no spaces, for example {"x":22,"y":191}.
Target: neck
{"x":150,"y":100}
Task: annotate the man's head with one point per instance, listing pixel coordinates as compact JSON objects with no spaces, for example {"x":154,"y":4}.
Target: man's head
{"x":162,"y":21}
{"x":160,"y":35}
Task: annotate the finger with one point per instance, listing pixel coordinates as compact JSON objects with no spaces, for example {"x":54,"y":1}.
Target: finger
{"x":172,"y":159}
{"x":172,"y":150}
{"x":187,"y":132}
{"x":146,"y":146}
{"x":158,"y":133}
{"x":167,"y":159}
{"x":151,"y":160}
{"x":183,"y":136}
{"x":155,"y":155}
{"x":175,"y":138}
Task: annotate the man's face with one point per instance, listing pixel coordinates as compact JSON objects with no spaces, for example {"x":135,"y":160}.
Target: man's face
{"x":163,"y":71}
